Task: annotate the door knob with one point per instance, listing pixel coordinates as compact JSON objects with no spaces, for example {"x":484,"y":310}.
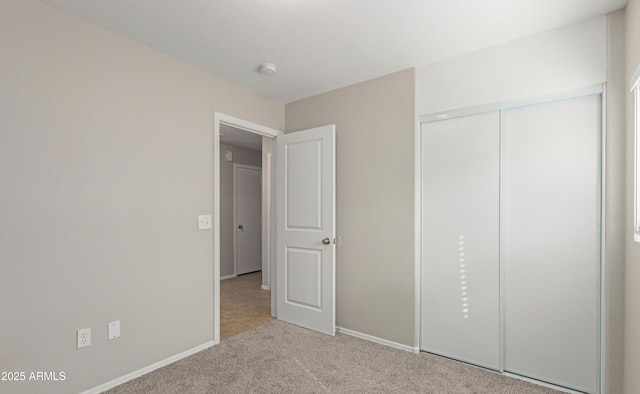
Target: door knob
{"x":240,"y":227}
{"x":326,"y":241}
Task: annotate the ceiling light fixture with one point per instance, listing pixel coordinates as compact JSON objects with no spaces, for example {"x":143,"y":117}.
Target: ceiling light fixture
{"x":268,"y":69}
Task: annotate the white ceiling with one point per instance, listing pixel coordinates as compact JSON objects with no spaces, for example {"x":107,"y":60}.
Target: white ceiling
{"x":244,"y":139}
{"x":321,"y":45}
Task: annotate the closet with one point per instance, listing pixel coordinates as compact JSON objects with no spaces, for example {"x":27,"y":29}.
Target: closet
{"x":511,"y":239}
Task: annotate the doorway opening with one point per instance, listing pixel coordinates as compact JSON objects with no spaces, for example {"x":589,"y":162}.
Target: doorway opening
{"x":242,"y":299}
{"x":245,"y":297}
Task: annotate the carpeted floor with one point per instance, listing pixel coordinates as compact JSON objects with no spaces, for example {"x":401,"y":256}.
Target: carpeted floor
{"x":281,"y":358}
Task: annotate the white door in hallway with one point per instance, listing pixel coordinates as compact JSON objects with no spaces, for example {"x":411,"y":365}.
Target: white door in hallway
{"x":305,"y":188}
{"x":247,"y":212}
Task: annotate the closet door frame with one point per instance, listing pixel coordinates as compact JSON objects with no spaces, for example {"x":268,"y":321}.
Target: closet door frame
{"x":597,"y":89}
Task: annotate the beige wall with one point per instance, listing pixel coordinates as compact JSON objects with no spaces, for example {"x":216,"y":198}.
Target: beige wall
{"x":227,"y":228}
{"x":613,"y":313}
{"x":375,"y":128}
{"x":106,"y":159}
{"x":632,"y":267}
{"x":559,"y":60}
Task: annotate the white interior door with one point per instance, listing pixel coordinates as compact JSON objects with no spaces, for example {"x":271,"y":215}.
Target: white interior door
{"x":305,"y":189}
{"x":551,"y":236}
{"x":248,"y":211}
{"x":460,"y":239}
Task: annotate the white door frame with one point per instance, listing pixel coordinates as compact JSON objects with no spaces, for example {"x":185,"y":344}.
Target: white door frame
{"x":218,"y":119}
{"x":235,"y":214}
{"x":266,"y":229}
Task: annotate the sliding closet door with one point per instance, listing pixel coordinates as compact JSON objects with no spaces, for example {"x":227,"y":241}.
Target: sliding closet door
{"x":550,"y":241}
{"x":460,"y":244}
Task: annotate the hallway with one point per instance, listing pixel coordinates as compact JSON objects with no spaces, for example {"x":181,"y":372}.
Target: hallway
{"x":243,"y":304}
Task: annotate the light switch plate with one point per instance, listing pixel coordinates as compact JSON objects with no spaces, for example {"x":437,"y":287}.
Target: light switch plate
{"x":204,"y":222}
{"x":114,"y":329}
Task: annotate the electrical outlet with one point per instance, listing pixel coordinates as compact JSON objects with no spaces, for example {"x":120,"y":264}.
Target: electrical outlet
{"x":114,"y":329}
{"x":84,"y":338}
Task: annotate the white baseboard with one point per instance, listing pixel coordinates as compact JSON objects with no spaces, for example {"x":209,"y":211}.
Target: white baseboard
{"x":146,"y":370}
{"x":379,"y":341}
{"x":228,"y":277}
{"x":265,"y":287}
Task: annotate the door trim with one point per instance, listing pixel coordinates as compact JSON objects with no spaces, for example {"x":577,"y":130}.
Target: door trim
{"x":266,"y":226}
{"x":473,"y":110}
{"x":235,"y":212}
{"x":218,"y":119}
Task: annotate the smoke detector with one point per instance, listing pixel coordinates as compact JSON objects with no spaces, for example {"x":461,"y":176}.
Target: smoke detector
{"x":268,"y":69}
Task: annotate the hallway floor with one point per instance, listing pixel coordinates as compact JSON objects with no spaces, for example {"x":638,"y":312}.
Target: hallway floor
{"x":243,"y":304}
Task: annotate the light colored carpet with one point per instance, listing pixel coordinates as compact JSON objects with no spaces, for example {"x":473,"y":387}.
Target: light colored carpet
{"x":281,"y":358}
